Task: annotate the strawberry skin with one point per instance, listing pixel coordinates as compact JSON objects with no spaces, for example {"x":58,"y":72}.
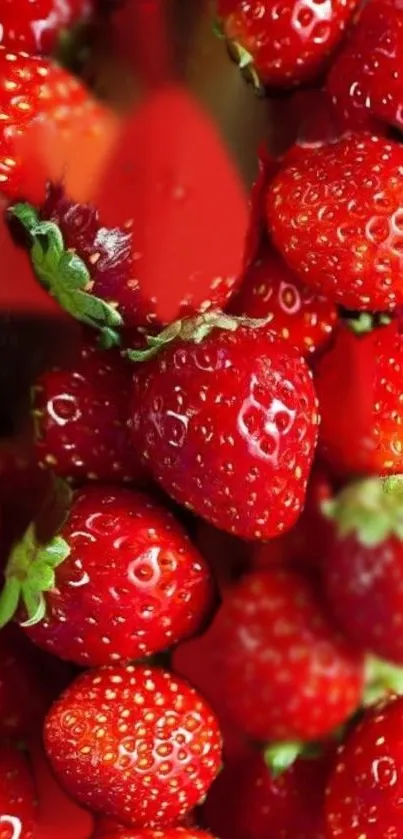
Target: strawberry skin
{"x":82,"y":419}
{"x":367,"y":784}
{"x":363,"y":373}
{"x":32,"y":88}
{"x":229,"y":428}
{"x":345,"y":237}
{"x":35,"y":27}
{"x":145,"y":833}
{"x":366,"y":82}
{"x":288,"y":43}
{"x":285,"y":671}
{"x":131,"y":583}
{"x":134,"y":743}
{"x":17,"y":796}
{"x":270,"y":290}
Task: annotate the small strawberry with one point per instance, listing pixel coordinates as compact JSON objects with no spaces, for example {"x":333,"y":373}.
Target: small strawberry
{"x":19,"y":679}
{"x":270,"y":290}
{"x":366,"y":786}
{"x":121,"y":580}
{"x":17,"y":796}
{"x":36,"y":27}
{"x":366,"y":82}
{"x":363,"y":567}
{"x":82,"y":417}
{"x":362,"y":373}
{"x":284,"y":45}
{"x":228,"y":426}
{"x":249,"y":801}
{"x":345,"y":237}
{"x":284,"y":670}
{"x":134,"y":743}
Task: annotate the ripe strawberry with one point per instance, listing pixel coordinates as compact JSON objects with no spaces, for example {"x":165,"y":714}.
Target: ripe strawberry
{"x":363,"y":568}
{"x":142,"y":586}
{"x":284,"y":45}
{"x":229,"y":427}
{"x":362,"y":373}
{"x":145,"y":833}
{"x":285,"y":671}
{"x":270,"y":290}
{"x":17,"y":796}
{"x":366,"y":785}
{"x":365,"y":81}
{"x":249,"y":801}
{"x":35,"y":27}
{"x":82,"y":417}
{"x":35,"y":89}
{"x":19,"y":679}
{"x":345,"y":238}
{"x":134,"y":743}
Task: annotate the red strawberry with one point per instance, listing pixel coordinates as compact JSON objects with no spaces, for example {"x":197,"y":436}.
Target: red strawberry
{"x":366,"y":786}
{"x":284,"y":670}
{"x":288,"y":44}
{"x":363,"y":567}
{"x":366,"y":81}
{"x":270,"y":290}
{"x":82,"y":416}
{"x":19,"y":679}
{"x":35,"y":27}
{"x":146,"y":833}
{"x":248,"y":801}
{"x":335,"y":215}
{"x":35,"y":89}
{"x":229,"y":426}
{"x":17,"y":796}
{"x":362,"y":373}
{"x":134,"y":743}
{"x":121,"y":580}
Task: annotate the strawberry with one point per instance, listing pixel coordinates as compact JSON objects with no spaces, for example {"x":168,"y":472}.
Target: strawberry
{"x":17,"y":796}
{"x":362,"y":373}
{"x":249,"y":801}
{"x":146,"y":833}
{"x":287,"y":45}
{"x":81,"y":418}
{"x":33,"y":89}
{"x":365,"y":81}
{"x":228,"y":427}
{"x":35,"y":27}
{"x":19,"y":679}
{"x":270,"y":290}
{"x":366,"y":785}
{"x":345,"y":238}
{"x":284,"y":670}
{"x":363,"y":570}
{"x":119,"y":581}
{"x":134,"y":743}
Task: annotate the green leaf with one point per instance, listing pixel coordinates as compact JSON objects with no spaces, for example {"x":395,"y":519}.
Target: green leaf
{"x":371,"y":509}
{"x":41,"y":577}
{"x":381,"y":678}
{"x":55,"y":552}
{"x":9,"y":600}
{"x":280,"y":756}
{"x":35,"y":605}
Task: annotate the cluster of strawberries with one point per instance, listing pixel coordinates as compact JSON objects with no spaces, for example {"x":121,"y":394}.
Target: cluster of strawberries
{"x":202,"y":539}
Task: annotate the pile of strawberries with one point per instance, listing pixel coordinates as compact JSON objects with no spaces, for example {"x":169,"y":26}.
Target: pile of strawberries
{"x":201,"y":528}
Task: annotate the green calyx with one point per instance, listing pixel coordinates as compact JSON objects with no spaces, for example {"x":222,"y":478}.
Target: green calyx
{"x":366,"y":322}
{"x":279,"y":757}
{"x":194,"y":330}
{"x":30,"y":573}
{"x":66,"y":277}
{"x":370,"y":509}
{"x":381,"y":678}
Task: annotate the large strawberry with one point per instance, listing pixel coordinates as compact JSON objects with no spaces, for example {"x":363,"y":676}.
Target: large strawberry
{"x":35,"y":27}
{"x":228,"y":424}
{"x":285,"y":671}
{"x":120,"y":581}
{"x":270,"y":290}
{"x":363,"y":567}
{"x":286,"y":44}
{"x":362,"y":373}
{"x":366,"y":785}
{"x":249,"y":801}
{"x":36,"y":89}
{"x":335,"y":215}
{"x":18,"y":812}
{"x":82,"y":418}
{"x":366,"y":82}
{"x":134,"y":743}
